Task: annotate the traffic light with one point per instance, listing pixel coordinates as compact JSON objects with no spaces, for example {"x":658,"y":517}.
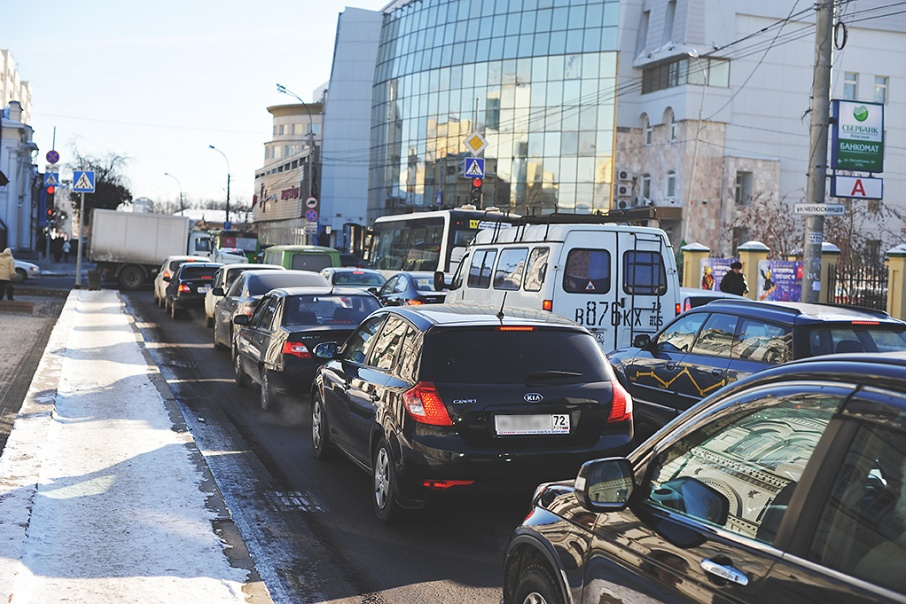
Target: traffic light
{"x":50,"y":191}
{"x":475,"y":193}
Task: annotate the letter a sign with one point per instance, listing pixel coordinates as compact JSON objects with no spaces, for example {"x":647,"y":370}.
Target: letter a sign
{"x":857,"y":187}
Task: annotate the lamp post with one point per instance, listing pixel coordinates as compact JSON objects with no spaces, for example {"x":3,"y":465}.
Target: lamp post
{"x":311,"y":145}
{"x":228,"y":185}
{"x":701,"y":106}
{"x":181,"y":205}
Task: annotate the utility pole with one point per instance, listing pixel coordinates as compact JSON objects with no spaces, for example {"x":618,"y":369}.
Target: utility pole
{"x":817,"y":161}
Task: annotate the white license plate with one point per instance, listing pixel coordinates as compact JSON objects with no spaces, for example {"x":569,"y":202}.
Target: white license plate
{"x":203,"y":289}
{"x":516,"y":425}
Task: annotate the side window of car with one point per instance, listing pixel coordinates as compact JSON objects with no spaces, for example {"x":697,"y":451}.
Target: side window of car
{"x":387,"y":343}
{"x":410,"y":355}
{"x":508,"y":274}
{"x":763,"y":342}
{"x":402,"y":284}
{"x":679,"y":336}
{"x":480,"y":270}
{"x":389,"y":286}
{"x":536,"y":270}
{"x":218,"y":279}
{"x":356,"y":348}
{"x":716,"y":337}
{"x":236,"y":288}
{"x":862,"y":528}
{"x":587,"y":272}
{"x":739,"y":472}
{"x":264,"y":312}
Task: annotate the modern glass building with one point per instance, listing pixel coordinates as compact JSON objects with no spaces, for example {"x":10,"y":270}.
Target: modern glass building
{"x":535,"y":78}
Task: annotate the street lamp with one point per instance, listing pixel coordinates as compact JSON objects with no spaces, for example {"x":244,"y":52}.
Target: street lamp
{"x":181,"y":205}
{"x":701,"y":106}
{"x":228,"y":185}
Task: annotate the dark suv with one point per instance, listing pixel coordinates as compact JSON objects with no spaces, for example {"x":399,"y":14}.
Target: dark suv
{"x":439,"y":399}
{"x":713,"y":345}
{"x":187,"y":287}
{"x":786,"y":487}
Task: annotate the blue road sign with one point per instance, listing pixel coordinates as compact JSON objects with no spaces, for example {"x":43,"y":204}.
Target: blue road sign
{"x":311,"y":215}
{"x":51,"y":179}
{"x":474,"y":167}
{"x":227,"y":226}
{"x":52,"y":156}
{"x":83,"y":181}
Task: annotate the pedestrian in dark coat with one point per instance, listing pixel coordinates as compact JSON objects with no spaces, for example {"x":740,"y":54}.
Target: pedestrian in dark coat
{"x":7,"y":273}
{"x":734,"y":282}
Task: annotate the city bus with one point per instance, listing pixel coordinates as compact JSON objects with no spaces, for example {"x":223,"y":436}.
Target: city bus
{"x":429,"y":241}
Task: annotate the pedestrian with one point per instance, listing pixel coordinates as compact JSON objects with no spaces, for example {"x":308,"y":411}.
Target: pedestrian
{"x":66,"y":249}
{"x":734,"y":282}
{"x":7,"y":273}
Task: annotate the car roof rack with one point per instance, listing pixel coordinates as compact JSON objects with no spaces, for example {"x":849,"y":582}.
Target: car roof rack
{"x":634,"y":216}
{"x":871,"y":311}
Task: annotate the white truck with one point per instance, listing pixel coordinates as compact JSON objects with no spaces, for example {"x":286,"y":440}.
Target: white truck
{"x":129,"y":247}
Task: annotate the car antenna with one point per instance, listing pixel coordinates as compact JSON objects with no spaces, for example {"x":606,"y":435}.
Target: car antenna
{"x":500,"y":314}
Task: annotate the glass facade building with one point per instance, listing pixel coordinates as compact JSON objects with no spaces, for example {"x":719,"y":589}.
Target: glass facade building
{"x":536,"y":78}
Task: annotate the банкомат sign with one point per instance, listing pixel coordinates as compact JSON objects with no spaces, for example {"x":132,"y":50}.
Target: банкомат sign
{"x":858,"y":136}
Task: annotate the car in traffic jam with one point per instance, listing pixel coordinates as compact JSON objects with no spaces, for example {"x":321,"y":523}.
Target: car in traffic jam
{"x":187,"y":288}
{"x":410,"y":288}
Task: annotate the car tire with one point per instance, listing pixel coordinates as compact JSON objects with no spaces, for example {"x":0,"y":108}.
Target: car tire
{"x":269,"y":400}
{"x":20,"y":276}
{"x":241,"y":379}
{"x":321,"y":447}
{"x":174,"y":312}
{"x":131,"y":278}
{"x":537,"y":585}
{"x":161,"y":302}
{"x":209,"y":321}
{"x":386,"y":507}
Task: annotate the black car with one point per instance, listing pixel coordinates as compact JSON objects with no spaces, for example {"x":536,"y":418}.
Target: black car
{"x":242,"y":297}
{"x":273,"y":346}
{"x":186,"y":289}
{"x":786,"y":487}
{"x":442,"y":399}
{"x":708,"y":347}
{"x":410,"y":288}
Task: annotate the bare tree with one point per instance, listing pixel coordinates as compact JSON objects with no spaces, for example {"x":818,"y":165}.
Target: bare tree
{"x":110,"y":183}
{"x":772,"y":222}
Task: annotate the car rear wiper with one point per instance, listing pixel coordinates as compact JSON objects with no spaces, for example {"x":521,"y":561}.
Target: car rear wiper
{"x":536,"y":376}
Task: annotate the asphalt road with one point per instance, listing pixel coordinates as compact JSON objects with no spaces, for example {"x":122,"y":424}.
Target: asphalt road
{"x":309,"y":524}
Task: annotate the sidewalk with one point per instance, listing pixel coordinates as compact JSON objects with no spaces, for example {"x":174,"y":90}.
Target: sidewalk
{"x":63,"y":269}
{"x":104,"y":496}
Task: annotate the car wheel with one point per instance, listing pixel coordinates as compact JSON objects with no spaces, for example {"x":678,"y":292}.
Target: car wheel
{"x":241,"y":378}
{"x":268,"y":397}
{"x":174,"y":312}
{"x":320,"y":435}
{"x":537,"y":585}
{"x":20,"y":276}
{"x":209,"y":321}
{"x":131,"y":278}
{"x":385,"y":505}
{"x":161,"y":302}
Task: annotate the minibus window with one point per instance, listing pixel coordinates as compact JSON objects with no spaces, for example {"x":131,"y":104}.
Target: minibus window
{"x":587,"y":272}
{"x":644,"y":273}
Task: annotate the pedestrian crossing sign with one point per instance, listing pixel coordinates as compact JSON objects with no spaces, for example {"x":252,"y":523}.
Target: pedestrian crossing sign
{"x":84,"y":181}
{"x":51,"y":179}
{"x":474,"y":167}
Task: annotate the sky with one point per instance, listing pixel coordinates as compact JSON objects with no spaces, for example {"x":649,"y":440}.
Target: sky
{"x":158,"y":82}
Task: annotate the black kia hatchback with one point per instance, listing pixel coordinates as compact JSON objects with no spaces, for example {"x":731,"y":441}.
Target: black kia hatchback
{"x":440,"y":399}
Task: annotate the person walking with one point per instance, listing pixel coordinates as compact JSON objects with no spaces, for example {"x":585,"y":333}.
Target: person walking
{"x":7,"y":273}
{"x":66,"y":248}
{"x":734,"y":282}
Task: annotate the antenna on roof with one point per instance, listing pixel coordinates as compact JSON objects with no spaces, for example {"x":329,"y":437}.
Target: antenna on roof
{"x":500,"y":314}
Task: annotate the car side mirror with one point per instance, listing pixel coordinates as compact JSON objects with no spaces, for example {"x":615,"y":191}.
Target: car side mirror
{"x":605,"y":485}
{"x":373,"y":291}
{"x":326,"y":350}
{"x":217,"y":291}
{"x":693,"y":497}
{"x":241,"y":320}
{"x":643,"y":340}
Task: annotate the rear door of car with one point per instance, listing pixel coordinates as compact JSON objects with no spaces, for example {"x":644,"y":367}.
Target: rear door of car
{"x":704,"y":369}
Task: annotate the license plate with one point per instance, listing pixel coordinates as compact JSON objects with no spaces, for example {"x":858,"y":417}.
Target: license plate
{"x":518,"y":425}
{"x":203,"y":289}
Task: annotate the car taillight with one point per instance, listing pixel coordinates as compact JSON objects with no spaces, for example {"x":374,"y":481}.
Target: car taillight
{"x":247,"y":309}
{"x":678,"y":308}
{"x":547,"y":305}
{"x":414,"y":302}
{"x":621,"y":408}
{"x":296,"y":349}
{"x":185,"y":289}
{"x":166,"y":274}
{"x":425,"y":405}
{"x":446,"y":484}
{"x":515,"y":328}
{"x":866,"y":322}
{"x":688,"y":305}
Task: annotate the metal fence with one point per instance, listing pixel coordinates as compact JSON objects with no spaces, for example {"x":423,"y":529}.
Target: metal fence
{"x":864,"y":286}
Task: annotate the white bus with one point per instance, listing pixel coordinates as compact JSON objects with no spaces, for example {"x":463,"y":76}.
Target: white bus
{"x":429,"y":241}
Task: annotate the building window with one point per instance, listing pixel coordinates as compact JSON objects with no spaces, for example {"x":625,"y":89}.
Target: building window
{"x":743,"y":188}
{"x":671,"y":184}
{"x":646,"y":186}
{"x":697,"y":71}
{"x":850,"y":85}
{"x":648,"y":129}
{"x":673,"y":128}
{"x":280,"y":129}
{"x":881,"y":89}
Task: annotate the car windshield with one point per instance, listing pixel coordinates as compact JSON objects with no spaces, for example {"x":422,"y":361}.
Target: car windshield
{"x":492,"y":356}
{"x":358,"y":278}
{"x":424,"y":284}
{"x":328,"y":310}
{"x":261,"y":284}
{"x":197,"y":272}
{"x":860,"y":336}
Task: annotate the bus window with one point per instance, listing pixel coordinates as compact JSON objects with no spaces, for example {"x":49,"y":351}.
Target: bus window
{"x":480,"y":271}
{"x":508,"y":274}
{"x":537,"y":268}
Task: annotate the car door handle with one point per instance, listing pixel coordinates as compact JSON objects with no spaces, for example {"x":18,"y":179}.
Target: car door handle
{"x":725,"y":571}
{"x":717,"y":372}
{"x":670,"y":366}
{"x":374,"y":397}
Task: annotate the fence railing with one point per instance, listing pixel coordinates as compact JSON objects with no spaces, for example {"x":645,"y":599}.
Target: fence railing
{"x":864,"y":286}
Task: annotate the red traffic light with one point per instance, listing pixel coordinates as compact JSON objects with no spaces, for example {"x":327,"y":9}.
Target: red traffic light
{"x":50,"y":189}
{"x":49,"y":212}
{"x":476,"y":182}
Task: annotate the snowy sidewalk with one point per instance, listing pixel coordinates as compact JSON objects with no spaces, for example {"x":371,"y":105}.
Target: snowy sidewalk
{"x":103,"y":495}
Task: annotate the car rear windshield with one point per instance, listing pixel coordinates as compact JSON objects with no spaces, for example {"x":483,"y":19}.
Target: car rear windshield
{"x":198,"y":272}
{"x":358,"y":278}
{"x":328,"y":310}
{"x":492,"y":356}
{"x":261,"y":284}
{"x":864,"y":337}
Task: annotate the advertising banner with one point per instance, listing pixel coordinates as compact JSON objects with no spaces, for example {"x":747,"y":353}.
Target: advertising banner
{"x":858,"y":136}
{"x":713,"y":270}
{"x":780,"y":280}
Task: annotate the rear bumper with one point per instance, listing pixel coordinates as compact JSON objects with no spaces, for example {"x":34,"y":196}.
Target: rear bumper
{"x":294,"y":380}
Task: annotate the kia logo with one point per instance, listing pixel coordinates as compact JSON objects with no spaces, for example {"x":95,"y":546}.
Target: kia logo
{"x":533,"y":397}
